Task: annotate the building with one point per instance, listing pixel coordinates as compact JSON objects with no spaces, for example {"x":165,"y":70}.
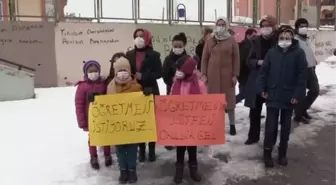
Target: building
{"x":287,"y":9}
{"x":28,"y":8}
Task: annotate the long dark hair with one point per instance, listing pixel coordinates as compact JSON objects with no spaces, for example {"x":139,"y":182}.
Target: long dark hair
{"x":113,"y":59}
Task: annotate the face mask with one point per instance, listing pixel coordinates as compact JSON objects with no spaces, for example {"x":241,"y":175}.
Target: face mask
{"x":178,"y":51}
{"x":139,"y":42}
{"x":123,"y":75}
{"x":220,"y":29}
{"x":93,"y":76}
{"x":284,"y":43}
{"x":303,"y":31}
{"x":179,"y":74}
{"x":266,"y":31}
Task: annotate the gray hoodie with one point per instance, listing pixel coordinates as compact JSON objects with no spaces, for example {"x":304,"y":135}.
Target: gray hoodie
{"x":306,"y":46}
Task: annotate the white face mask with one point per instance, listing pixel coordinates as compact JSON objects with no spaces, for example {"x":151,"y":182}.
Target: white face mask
{"x":178,"y":51}
{"x":123,"y":75}
{"x":303,"y":31}
{"x":266,"y":31}
{"x":179,"y":74}
{"x":285,"y":43}
{"x":220,"y":29}
{"x":93,"y":76}
{"x":139,"y":42}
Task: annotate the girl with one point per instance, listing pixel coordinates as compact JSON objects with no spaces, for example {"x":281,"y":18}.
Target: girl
{"x":113,"y":59}
{"x":186,"y":83}
{"x":91,"y":85}
{"x":147,"y":67}
{"x":282,"y":82}
{"x":123,"y":82}
{"x":221,"y":65}
{"x":199,"y":48}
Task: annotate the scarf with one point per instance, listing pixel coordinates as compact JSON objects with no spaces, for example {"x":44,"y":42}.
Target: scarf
{"x":192,"y":80}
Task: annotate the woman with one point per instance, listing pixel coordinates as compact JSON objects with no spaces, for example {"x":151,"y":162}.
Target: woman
{"x":147,"y":68}
{"x":114,"y":58}
{"x":282,"y":82}
{"x":221,"y":65}
{"x":199,"y":48}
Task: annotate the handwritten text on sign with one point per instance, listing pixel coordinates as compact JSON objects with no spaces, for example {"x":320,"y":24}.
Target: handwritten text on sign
{"x":122,"y":119}
{"x":190,"y":120}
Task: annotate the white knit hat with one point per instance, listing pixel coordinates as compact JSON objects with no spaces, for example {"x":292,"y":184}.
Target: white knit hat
{"x":122,"y":64}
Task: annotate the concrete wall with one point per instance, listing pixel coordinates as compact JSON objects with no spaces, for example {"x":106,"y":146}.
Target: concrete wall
{"x":29,"y":7}
{"x":15,"y":84}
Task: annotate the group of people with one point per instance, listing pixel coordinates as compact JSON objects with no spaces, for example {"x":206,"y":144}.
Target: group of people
{"x":274,"y":67}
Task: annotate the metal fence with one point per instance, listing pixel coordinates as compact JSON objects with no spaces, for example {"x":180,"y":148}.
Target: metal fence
{"x":241,"y":12}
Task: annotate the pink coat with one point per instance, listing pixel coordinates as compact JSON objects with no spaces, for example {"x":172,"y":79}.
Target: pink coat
{"x":84,"y":89}
{"x":185,"y":87}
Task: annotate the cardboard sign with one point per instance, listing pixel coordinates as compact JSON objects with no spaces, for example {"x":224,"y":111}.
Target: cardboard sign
{"x":122,"y":119}
{"x":190,"y":120}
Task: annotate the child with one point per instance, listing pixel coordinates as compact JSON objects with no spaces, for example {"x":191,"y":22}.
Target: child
{"x":91,"y":85}
{"x":186,"y":83}
{"x":113,"y":59}
{"x":123,"y":82}
{"x":282,"y":82}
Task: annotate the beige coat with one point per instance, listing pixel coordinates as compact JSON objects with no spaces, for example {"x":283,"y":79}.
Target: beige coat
{"x":220,"y":62}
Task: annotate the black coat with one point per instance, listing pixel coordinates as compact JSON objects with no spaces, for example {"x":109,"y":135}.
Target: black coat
{"x":169,"y":69}
{"x":283,"y":76}
{"x":244,"y":50}
{"x":256,"y":53}
{"x":199,"y":53}
{"x":151,"y":68}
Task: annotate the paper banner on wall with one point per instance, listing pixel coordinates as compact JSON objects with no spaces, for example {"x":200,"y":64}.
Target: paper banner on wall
{"x":190,"y":120}
{"x":122,"y":119}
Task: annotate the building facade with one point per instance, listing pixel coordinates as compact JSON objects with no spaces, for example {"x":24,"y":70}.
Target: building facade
{"x":28,"y":8}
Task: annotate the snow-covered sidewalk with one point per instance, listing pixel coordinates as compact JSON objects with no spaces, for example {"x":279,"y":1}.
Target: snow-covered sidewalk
{"x":41,"y":144}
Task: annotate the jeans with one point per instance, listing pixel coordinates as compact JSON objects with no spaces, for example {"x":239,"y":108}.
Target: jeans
{"x":313,"y":92}
{"x":127,"y":156}
{"x":255,"y":119}
{"x":192,"y":153}
{"x":271,"y":128}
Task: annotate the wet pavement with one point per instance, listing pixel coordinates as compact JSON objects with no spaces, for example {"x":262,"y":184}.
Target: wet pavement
{"x":314,"y":165}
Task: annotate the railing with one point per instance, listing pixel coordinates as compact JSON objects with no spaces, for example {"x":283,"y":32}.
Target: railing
{"x":19,"y":66}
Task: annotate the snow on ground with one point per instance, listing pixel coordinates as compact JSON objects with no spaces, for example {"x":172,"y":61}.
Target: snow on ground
{"x":41,"y":144}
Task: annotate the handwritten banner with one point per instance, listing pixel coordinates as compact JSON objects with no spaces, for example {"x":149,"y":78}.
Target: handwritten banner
{"x":190,"y":120}
{"x":122,"y":119}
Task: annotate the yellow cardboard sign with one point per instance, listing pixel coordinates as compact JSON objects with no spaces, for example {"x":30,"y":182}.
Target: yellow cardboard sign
{"x":122,"y":119}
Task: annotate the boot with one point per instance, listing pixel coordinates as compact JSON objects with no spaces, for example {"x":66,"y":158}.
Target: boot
{"x":142,"y":153}
{"x":282,"y":156}
{"x":233,"y":130}
{"x":108,"y":160}
{"x":194,"y":175}
{"x":151,"y":152}
{"x":179,"y":173}
{"x":306,"y":115}
{"x":268,"y":161}
{"x":251,"y":141}
{"x":169,"y":148}
{"x":94,"y":163}
{"x":123,"y":178}
{"x":132,"y":176}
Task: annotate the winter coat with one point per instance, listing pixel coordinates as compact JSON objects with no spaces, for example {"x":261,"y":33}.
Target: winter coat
{"x":220,"y":62}
{"x":199,"y":52}
{"x":169,"y":69}
{"x":115,"y":88}
{"x":307,"y":48}
{"x":185,"y":87}
{"x":252,"y":62}
{"x":84,"y":90}
{"x":244,"y":50}
{"x":151,"y":68}
{"x":283,"y":76}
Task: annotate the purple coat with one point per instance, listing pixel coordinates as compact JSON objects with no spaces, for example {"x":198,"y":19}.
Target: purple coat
{"x":84,"y":89}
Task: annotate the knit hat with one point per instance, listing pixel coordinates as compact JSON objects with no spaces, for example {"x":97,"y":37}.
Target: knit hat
{"x":270,"y":19}
{"x":180,"y":37}
{"x":186,"y":64}
{"x":300,"y":21}
{"x":89,"y":63}
{"x":122,"y":64}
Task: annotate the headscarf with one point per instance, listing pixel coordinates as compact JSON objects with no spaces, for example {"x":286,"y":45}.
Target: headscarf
{"x":225,"y":35}
{"x":89,"y":63}
{"x":147,"y":36}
